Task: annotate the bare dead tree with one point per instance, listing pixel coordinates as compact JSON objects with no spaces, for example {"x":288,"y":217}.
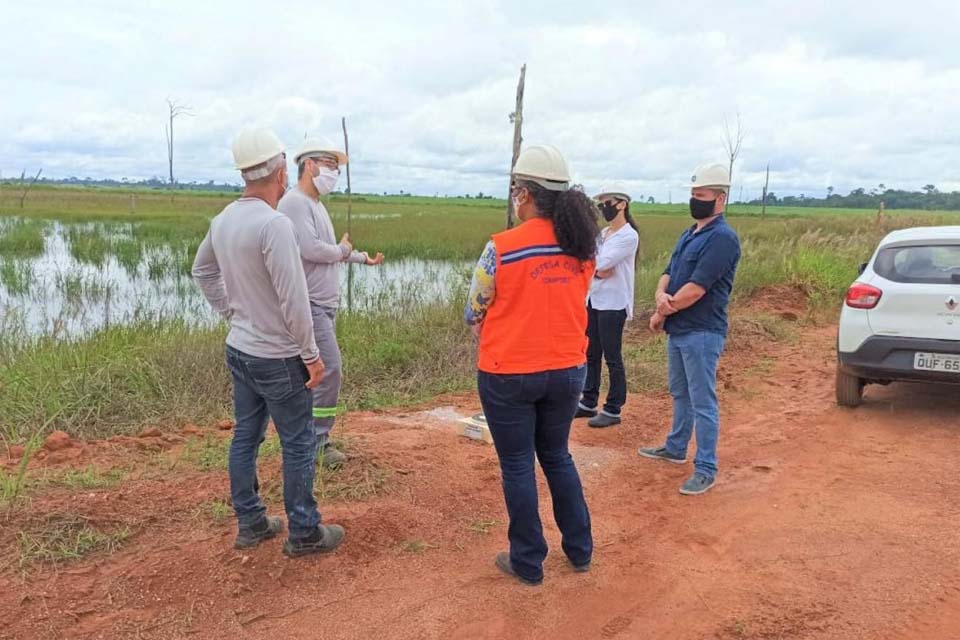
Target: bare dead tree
{"x":732,"y":141}
{"x":27,"y":187}
{"x":517,"y":119}
{"x":176,"y":110}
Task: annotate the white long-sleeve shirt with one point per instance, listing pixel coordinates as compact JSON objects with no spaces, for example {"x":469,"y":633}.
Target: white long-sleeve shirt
{"x":616,"y":251}
{"x":318,"y":247}
{"x":248,"y":267}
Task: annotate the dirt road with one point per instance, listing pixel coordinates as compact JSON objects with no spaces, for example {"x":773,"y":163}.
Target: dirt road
{"x":825,"y":523}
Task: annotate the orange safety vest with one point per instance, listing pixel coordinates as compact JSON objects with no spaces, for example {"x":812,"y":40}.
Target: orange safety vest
{"x":538,"y":318}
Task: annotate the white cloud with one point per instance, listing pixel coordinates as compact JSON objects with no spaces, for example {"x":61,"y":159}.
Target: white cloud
{"x":829,"y":94}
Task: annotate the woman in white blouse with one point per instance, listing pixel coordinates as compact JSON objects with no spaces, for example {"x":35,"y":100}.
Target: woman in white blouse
{"x":609,"y":306}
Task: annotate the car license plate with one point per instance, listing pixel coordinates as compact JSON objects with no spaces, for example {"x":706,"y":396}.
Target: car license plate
{"x":936,"y":362}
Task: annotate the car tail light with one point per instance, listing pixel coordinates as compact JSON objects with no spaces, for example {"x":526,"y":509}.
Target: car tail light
{"x":863,"y":296}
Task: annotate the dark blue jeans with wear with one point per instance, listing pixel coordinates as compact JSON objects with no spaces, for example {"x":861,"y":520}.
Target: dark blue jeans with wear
{"x":529,"y":415}
{"x":264,"y":388}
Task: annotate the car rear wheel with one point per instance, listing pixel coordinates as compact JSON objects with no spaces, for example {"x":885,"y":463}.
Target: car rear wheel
{"x":849,"y":389}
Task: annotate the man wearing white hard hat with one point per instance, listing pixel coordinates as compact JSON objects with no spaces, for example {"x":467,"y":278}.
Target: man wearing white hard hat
{"x":248,"y":267}
{"x":692,"y":299}
{"x":318,"y":168}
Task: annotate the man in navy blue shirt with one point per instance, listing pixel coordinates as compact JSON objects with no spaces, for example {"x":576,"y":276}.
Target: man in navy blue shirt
{"x":692,"y":300}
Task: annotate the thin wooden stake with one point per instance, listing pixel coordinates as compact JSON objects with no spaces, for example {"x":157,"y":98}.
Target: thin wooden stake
{"x":346,"y":150}
{"x":763,"y":212}
{"x":517,"y":118}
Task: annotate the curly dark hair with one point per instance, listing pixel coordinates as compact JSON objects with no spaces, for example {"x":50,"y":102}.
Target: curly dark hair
{"x":574,"y":218}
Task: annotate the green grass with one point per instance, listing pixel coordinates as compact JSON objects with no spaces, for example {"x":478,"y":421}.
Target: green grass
{"x":22,"y":238}
{"x":215,"y":511}
{"x":211,"y":452}
{"x":129,"y":253}
{"x":13,"y":484}
{"x":88,"y":478}
{"x":123,"y":378}
{"x":59,"y":538}
{"x":645,"y":363}
{"x":80,"y":289}
{"x":91,"y":246}
{"x":158,"y":267}
{"x":116,"y":381}
{"x":402,"y":349}
{"x":16,"y":276}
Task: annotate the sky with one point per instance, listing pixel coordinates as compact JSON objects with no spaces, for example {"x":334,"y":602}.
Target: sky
{"x":840,"y":93}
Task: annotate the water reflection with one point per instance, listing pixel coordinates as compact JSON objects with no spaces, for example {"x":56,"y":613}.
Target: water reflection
{"x":69,"y":291}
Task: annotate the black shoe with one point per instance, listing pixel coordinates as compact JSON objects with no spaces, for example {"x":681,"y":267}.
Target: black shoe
{"x":584,"y":413}
{"x":580,"y":568}
{"x":603,"y":420}
{"x":264,"y":529}
{"x":329,"y":457}
{"x":324,"y":539}
{"x":503,"y":563}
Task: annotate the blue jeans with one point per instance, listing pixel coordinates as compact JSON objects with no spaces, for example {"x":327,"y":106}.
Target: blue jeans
{"x":692,"y":360}
{"x":267,"y":387}
{"x":531,"y":414}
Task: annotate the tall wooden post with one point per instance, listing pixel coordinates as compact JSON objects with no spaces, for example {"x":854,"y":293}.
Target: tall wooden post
{"x":346,"y":150}
{"x":517,"y":118}
{"x":763,"y":211}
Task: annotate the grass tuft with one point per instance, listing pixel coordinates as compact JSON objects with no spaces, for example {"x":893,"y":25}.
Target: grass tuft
{"x":60,"y":538}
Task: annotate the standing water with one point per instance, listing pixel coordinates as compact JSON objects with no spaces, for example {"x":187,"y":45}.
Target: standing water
{"x":66,"y":291}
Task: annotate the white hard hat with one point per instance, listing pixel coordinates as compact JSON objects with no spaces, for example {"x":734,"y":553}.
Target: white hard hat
{"x":543,"y":165}
{"x":317,"y":146}
{"x":613,"y":190}
{"x":710,"y":175}
{"x":254,"y":146}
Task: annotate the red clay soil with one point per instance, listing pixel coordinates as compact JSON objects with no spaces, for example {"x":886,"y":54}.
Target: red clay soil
{"x":825,"y":523}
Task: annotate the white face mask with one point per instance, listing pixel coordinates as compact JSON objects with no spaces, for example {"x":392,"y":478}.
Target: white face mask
{"x":326,"y":180}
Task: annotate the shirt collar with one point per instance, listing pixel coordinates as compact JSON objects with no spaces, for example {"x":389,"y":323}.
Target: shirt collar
{"x":710,"y":227}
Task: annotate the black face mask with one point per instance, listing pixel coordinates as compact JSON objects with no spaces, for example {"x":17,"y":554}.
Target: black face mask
{"x":702,"y":209}
{"x":609,"y":210}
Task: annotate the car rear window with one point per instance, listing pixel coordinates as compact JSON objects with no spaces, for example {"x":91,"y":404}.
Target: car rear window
{"x":926,"y":264}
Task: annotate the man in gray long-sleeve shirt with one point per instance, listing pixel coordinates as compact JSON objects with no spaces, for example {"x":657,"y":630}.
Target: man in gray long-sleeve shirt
{"x":248,"y":267}
{"x":318,"y":164}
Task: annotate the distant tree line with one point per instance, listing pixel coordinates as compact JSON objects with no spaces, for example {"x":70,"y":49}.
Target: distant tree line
{"x":929,"y":198}
{"x":151,"y":183}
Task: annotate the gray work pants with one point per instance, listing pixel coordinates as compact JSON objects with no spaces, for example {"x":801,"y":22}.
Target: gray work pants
{"x":325,"y":395}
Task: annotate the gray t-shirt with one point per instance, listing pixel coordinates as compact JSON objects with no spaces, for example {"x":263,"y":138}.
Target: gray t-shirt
{"x":318,"y":247}
{"x":248,"y":267}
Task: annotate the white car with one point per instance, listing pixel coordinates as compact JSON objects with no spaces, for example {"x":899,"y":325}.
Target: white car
{"x":901,"y":318}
